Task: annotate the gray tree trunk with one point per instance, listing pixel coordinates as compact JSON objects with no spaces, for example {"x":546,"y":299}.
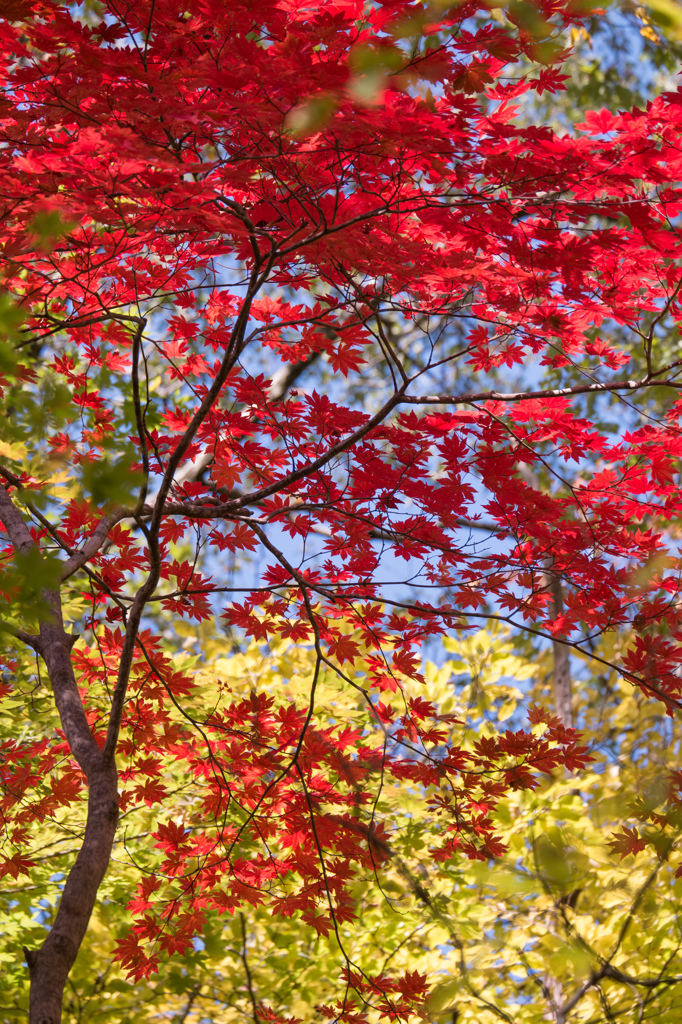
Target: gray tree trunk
{"x":563,"y":695}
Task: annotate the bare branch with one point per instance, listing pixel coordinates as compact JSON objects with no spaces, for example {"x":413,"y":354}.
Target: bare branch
{"x":94,"y":543}
{"x":472,"y":397}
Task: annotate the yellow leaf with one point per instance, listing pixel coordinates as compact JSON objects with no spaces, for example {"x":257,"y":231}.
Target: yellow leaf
{"x":17,"y":452}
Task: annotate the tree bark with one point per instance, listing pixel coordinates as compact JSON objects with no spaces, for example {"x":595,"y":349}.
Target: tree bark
{"x":49,"y":966}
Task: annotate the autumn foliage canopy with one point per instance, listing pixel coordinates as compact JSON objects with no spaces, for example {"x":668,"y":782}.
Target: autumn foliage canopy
{"x":309,"y":334}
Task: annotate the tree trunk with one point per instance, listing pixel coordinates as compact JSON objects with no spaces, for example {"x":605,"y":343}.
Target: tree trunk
{"x":49,"y":966}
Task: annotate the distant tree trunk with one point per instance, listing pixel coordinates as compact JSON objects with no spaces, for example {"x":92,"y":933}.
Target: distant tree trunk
{"x":563,"y":703}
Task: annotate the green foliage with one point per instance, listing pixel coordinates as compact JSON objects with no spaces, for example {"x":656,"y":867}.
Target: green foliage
{"x":48,"y":227}
{"x":30,"y":574}
{"x":112,"y":481}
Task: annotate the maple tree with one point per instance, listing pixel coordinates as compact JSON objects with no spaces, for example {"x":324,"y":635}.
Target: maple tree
{"x":201,"y":202}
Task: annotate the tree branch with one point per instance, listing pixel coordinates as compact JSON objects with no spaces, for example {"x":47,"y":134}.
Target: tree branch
{"x":15,"y":525}
{"x":520,"y":396}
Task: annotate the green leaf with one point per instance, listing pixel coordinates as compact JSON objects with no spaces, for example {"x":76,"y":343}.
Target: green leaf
{"x":112,"y":481}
